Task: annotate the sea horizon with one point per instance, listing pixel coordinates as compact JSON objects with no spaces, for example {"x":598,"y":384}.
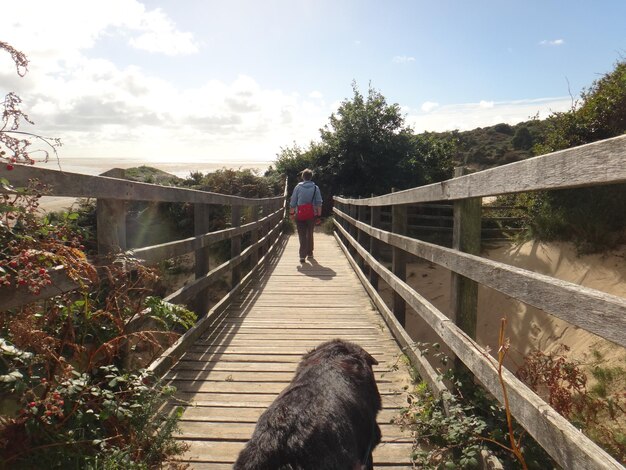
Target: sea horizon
{"x":182,"y":169}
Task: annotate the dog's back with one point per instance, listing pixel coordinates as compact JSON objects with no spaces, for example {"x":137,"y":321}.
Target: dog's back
{"x":324,"y":419}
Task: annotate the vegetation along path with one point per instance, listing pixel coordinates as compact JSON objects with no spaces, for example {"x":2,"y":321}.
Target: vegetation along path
{"x":231,"y":374}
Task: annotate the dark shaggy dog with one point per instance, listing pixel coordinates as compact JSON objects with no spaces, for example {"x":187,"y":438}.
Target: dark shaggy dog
{"x":325,"y":419}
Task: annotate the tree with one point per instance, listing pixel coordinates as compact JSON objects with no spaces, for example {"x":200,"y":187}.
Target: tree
{"x":600,"y":114}
{"x":522,"y":140}
{"x":366,"y":148}
{"x":364,"y":143}
{"x":290,"y":161}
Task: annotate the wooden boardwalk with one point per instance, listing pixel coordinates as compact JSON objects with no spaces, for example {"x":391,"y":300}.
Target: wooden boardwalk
{"x":231,"y":374}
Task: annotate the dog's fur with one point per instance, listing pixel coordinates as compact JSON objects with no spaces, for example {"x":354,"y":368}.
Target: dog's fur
{"x":326,"y":417}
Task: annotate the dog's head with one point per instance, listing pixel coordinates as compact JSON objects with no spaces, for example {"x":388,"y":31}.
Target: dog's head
{"x":355,"y":361}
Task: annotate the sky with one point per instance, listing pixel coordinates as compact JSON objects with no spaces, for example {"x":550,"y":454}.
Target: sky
{"x":237,"y":80}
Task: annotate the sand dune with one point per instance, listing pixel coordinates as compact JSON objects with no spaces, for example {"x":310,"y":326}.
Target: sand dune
{"x":528,"y":328}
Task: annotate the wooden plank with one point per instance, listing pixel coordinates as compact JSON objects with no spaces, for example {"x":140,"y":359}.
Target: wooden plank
{"x":251,"y":415}
{"x":270,"y":350}
{"x":595,"y":311}
{"x":225,"y":359}
{"x":227,"y":452}
{"x":317,"y":331}
{"x":309,"y":341}
{"x":599,"y":163}
{"x":255,"y":400}
{"x":568,"y":446}
{"x":256,"y":376}
{"x":238,"y":431}
{"x":206,"y":386}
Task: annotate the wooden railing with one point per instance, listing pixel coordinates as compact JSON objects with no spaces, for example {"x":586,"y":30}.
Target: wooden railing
{"x":360,"y":235}
{"x":265,"y":227}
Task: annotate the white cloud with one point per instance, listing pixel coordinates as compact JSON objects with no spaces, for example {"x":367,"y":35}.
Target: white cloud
{"x":101,"y":109}
{"x":555,"y":42}
{"x":428,"y":106}
{"x":486,"y":104}
{"x":317,"y":95}
{"x":468,"y":116}
{"x":402,"y":59}
{"x":161,"y":35}
{"x":59,"y":30}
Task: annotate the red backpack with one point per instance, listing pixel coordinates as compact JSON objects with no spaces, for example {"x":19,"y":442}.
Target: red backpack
{"x":305,"y":211}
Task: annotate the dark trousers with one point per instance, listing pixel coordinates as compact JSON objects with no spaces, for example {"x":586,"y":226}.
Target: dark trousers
{"x":305,"y":234}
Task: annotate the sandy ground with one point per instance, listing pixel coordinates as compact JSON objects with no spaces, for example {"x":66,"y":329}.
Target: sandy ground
{"x":528,"y":328}
{"x":54,"y":204}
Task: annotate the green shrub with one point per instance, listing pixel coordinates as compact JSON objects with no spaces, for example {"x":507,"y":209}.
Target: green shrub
{"x":328,"y":225}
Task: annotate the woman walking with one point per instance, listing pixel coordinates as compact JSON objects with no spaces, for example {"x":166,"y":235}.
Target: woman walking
{"x":305,"y":205}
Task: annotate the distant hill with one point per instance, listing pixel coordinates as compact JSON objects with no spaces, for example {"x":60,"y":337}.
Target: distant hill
{"x":148,"y":174}
{"x":486,"y":147}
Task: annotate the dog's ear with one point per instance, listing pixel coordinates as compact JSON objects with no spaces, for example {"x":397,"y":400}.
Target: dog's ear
{"x":369,"y":358}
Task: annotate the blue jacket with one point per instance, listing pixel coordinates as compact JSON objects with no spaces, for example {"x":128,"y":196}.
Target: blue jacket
{"x":303,"y":194}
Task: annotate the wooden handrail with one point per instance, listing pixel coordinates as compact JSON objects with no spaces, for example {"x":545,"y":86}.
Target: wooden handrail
{"x":156,"y":253}
{"x":595,"y":311}
{"x":65,"y":184}
{"x":184,"y":294}
{"x":566,"y":444}
{"x":111,"y":194}
{"x":599,"y":163}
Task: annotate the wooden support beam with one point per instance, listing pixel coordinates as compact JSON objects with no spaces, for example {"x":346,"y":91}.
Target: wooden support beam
{"x":374,"y":244}
{"x":254,"y":235}
{"x":235,"y":244}
{"x":465,"y":238}
{"x":201,"y":226}
{"x":361,"y":235}
{"x":464,"y":291}
{"x":398,"y":225}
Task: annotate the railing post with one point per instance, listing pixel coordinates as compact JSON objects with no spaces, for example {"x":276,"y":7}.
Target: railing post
{"x":398,"y":225}
{"x":111,"y":220}
{"x":254,"y":236}
{"x":464,"y":291}
{"x":352,"y":230}
{"x":235,"y":244}
{"x":262,"y":213}
{"x":374,"y":243}
{"x":465,"y":238}
{"x":361,"y":236}
{"x":201,"y":217}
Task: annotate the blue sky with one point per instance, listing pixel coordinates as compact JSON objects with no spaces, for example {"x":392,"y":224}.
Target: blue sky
{"x":233,"y":81}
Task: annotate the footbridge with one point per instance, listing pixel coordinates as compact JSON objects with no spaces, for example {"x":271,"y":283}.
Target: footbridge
{"x":245,"y":347}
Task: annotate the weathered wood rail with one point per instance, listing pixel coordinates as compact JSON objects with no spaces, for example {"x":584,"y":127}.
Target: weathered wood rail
{"x":265,"y":217}
{"x":358,"y":229}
